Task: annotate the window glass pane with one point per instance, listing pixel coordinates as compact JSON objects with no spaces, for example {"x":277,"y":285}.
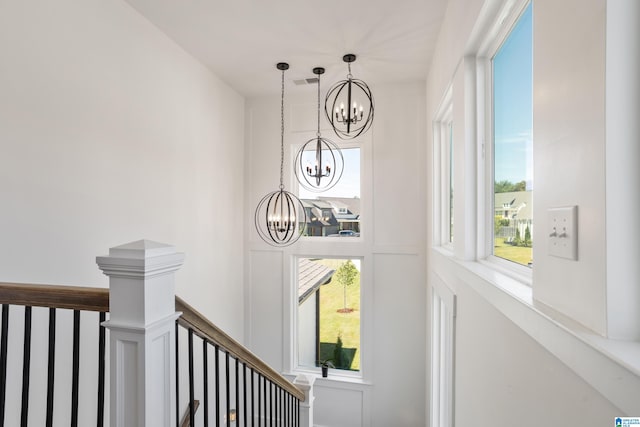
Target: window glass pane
{"x":329,"y":313}
{"x":513,"y":144}
{"x":335,"y":212}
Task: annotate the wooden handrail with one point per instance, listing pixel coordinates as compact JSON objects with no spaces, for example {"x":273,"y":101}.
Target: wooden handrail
{"x":97,"y":299}
{"x":55,"y":296}
{"x":202,"y":327}
{"x":186,"y":418}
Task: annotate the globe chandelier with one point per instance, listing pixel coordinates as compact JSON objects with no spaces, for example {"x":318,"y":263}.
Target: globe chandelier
{"x":280,"y":217}
{"x":319,"y":162}
{"x":349,"y":105}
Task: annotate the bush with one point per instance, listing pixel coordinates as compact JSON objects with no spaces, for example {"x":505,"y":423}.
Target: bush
{"x":498,"y":223}
{"x":527,"y":237}
{"x":337,"y":353}
{"x":518,"y":239}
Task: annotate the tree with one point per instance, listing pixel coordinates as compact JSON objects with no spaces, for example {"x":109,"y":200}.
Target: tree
{"x":506,"y":186}
{"x":520,"y":186}
{"x":346,"y":274}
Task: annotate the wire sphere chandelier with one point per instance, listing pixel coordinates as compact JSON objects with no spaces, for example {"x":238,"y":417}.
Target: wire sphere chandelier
{"x":280,"y":217}
{"x":319,"y":162}
{"x":349,"y":105}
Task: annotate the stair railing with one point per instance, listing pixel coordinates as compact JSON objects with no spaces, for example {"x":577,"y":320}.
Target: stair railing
{"x":61,"y":302}
{"x":247,"y":391}
{"x":146,"y":324}
{"x":148,"y":328}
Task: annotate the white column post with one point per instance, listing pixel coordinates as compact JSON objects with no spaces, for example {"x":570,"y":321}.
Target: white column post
{"x":621,"y":165}
{"x":142,"y":333}
{"x":305,"y":383}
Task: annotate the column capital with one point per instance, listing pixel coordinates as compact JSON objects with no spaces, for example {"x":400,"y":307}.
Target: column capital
{"x":141,"y":282}
{"x":139,"y":259}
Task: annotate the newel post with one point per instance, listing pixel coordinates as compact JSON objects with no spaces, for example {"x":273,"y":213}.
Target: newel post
{"x":305,"y":383}
{"x":142,"y":333}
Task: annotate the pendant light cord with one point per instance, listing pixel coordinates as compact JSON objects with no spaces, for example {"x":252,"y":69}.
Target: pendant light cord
{"x":318,"y":133}
{"x":282,"y":134}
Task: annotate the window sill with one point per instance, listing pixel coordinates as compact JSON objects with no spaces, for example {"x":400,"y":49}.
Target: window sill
{"x":611,"y":367}
{"x":334,"y":379}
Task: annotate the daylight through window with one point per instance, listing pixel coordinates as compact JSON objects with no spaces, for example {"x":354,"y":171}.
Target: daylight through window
{"x":513,"y":144}
{"x":329,"y":313}
{"x":335,"y":213}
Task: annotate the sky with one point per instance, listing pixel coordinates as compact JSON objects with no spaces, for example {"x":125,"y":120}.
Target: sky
{"x":513,"y":116}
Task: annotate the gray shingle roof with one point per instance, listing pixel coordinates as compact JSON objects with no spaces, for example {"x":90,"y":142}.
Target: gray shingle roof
{"x":311,"y":276}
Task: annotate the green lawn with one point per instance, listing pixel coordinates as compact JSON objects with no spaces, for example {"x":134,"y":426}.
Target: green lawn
{"x":332,"y":323}
{"x":519,"y":254}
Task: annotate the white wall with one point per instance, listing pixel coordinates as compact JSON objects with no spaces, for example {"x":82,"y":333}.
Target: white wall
{"x":110,"y":133}
{"x":502,"y":374}
{"x":569,"y":148}
{"x":393,"y":277}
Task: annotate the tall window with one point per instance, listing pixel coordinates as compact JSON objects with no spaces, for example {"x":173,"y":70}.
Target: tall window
{"x":329,"y":313}
{"x":513,"y":143}
{"x":335,"y":212}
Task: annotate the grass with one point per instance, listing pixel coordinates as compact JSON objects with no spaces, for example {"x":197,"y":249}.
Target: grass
{"x":519,"y":254}
{"x":333,"y":323}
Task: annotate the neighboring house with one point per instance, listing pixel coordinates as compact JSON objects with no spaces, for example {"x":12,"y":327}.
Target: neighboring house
{"x":346,"y":211}
{"x":328,"y":216}
{"x":320,"y":218}
{"x":513,"y":205}
{"x":517,"y":208}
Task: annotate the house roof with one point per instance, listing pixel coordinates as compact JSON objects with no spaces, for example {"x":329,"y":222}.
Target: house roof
{"x":311,"y":275}
{"x":322,"y":204}
{"x":315,"y":210}
{"x":352,"y":204}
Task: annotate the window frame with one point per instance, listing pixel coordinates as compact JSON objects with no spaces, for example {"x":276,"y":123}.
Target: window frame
{"x":343,"y":145}
{"x":442,"y":128}
{"x":506,"y":20}
{"x":360,"y":247}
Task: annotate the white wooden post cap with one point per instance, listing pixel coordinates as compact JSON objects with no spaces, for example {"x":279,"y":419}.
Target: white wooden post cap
{"x":141,"y":289}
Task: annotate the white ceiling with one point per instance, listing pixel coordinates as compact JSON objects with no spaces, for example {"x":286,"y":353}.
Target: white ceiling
{"x":242,"y":40}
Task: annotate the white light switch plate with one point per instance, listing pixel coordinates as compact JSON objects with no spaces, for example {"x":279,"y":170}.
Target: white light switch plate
{"x":563,"y":232}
